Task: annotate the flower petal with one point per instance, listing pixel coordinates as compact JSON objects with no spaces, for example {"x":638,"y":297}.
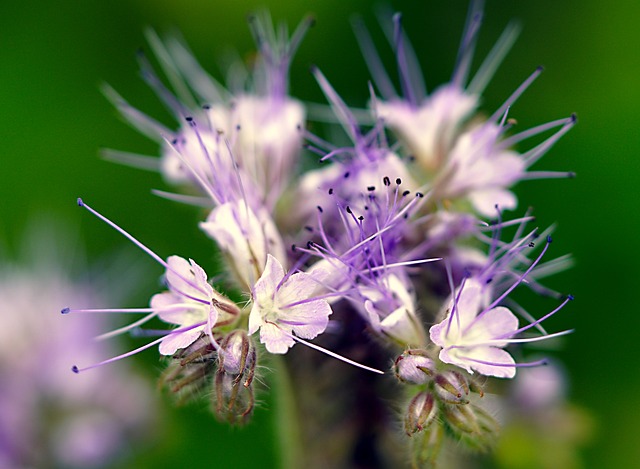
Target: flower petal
{"x":172,"y":342}
{"x":275,"y":339}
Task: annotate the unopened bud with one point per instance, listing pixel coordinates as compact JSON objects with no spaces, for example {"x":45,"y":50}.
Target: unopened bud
{"x":191,"y":368}
{"x":233,"y":399}
{"x":413,"y":366}
{"x":452,"y":387}
{"x":475,"y":427}
{"x":420,"y":413}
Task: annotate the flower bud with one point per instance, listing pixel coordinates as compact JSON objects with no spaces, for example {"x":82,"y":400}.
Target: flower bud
{"x":452,"y":387}
{"x":233,"y":398}
{"x":421,"y":412}
{"x":473,"y":425}
{"x":190,"y":369}
{"x":414,"y":367}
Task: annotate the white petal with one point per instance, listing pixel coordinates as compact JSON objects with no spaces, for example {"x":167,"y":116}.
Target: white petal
{"x":185,"y":278}
{"x":172,"y":342}
{"x":264,"y":290}
{"x":504,"y":363}
{"x":496,"y":323}
{"x":274,"y":339}
{"x":485,"y":201}
{"x":161,"y":302}
{"x":308,"y":320}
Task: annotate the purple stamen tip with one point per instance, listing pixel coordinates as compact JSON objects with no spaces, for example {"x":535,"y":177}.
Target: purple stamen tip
{"x":570,"y":297}
{"x":574,"y":118}
{"x":540,"y":68}
{"x":80,"y":202}
{"x":549,"y":240}
{"x":65,"y":310}
{"x":571,"y":174}
{"x":75,"y":369}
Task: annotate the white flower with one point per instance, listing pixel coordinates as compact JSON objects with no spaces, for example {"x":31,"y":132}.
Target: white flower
{"x":245,"y":237}
{"x":472,"y":337}
{"x":481,"y":170}
{"x":284,"y":306}
{"x":190,"y":301}
{"x":429,"y":129}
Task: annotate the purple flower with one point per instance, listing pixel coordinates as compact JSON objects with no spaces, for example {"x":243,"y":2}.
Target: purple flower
{"x":249,"y":137}
{"x":458,"y":157}
{"x":48,"y":419}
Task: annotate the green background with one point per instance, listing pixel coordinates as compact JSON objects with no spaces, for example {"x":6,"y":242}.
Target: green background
{"x":53,"y":119}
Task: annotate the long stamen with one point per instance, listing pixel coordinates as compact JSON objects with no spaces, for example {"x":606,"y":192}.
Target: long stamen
{"x":139,"y":244}
{"x":333,"y":354}
{"x":543,"y":318}
{"x":516,"y":94}
{"x":519,"y":281}
{"x":543,"y":361}
{"x":75,"y":369}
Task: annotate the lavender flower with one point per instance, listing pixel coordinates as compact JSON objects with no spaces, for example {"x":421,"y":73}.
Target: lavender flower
{"x":459,"y":157}
{"x":47,"y":419}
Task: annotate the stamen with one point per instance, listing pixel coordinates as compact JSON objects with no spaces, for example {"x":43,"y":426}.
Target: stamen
{"x":333,"y":354}
{"x":543,"y":361}
{"x":139,"y":244}
{"x":373,"y":61}
{"x":75,"y":369}
{"x":516,"y":94}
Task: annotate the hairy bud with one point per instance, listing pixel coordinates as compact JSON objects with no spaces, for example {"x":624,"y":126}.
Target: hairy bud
{"x":414,"y":366}
{"x":233,"y":398}
{"x":421,"y":412}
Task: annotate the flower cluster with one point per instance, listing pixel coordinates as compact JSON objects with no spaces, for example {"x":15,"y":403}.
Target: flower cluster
{"x":389,"y":236}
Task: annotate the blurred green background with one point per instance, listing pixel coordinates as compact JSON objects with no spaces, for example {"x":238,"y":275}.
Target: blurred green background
{"x":55,"y":55}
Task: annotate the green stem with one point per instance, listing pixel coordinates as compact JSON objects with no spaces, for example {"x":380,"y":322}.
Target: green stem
{"x":286,"y":416}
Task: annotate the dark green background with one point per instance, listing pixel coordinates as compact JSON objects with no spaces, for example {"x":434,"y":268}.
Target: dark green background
{"x":55,"y":55}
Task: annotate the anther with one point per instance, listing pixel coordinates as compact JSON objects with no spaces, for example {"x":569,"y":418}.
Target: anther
{"x":346,"y":175}
{"x":330,"y":191}
{"x":75,"y":369}
{"x":398,"y":181}
{"x":80,"y":202}
{"x":348,"y":210}
{"x":65,"y":310}
{"x":406,"y":193}
{"x":371,"y":188}
{"x":386,"y":181}
{"x":549,"y":240}
{"x":419,"y":195}
{"x":319,"y":209}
